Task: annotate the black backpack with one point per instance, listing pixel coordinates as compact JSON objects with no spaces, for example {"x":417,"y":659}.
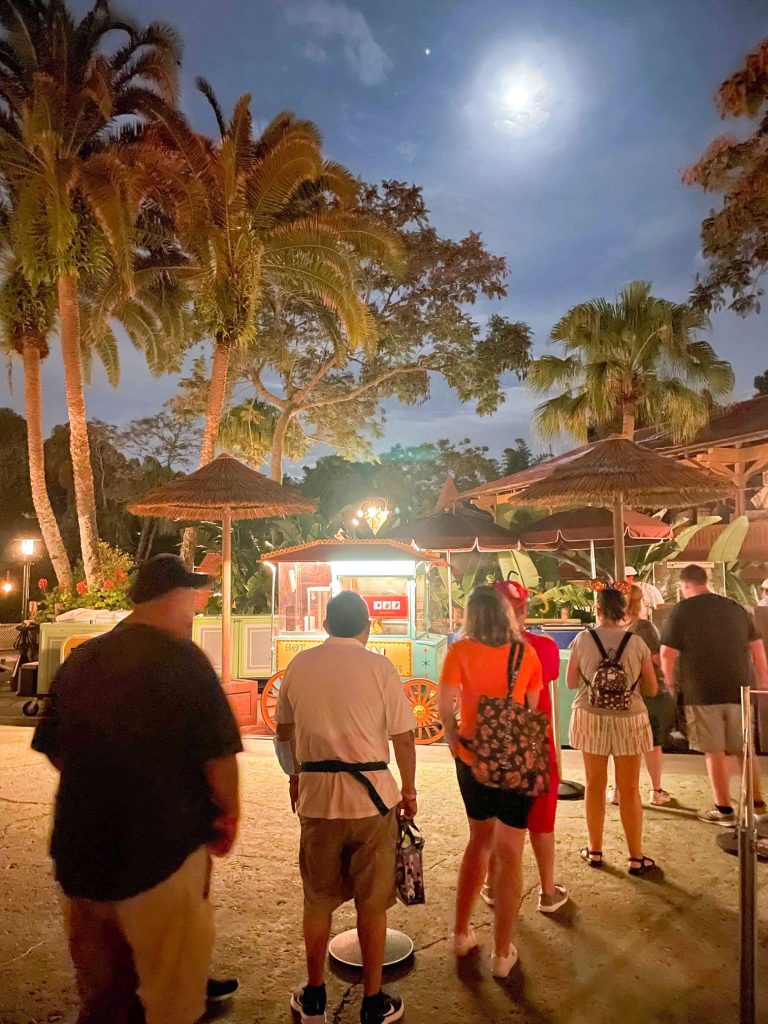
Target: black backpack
{"x":609,"y":687}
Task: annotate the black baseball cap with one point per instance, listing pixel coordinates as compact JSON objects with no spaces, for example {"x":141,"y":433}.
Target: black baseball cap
{"x":162,"y":574}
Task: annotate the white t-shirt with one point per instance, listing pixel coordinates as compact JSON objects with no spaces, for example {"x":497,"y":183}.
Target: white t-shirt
{"x":345,"y":702}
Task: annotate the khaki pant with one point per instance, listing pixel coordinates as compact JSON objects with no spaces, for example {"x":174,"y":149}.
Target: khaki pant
{"x":158,"y":943}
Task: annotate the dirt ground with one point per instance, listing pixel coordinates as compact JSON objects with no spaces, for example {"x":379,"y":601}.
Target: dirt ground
{"x":625,"y":950}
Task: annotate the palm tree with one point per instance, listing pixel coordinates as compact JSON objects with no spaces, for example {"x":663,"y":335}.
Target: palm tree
{"x":27,"y":318}
{"x":63,"y":100}
{"x":638,"y":358}
{"x":255,"y":213}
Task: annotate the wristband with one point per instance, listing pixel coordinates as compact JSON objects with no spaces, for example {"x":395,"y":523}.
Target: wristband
{"x":408,"y":796}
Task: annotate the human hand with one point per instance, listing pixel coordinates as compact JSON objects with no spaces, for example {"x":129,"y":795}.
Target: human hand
{"x":226,"y":833}
{"x":293,"y":791}
{"x":407,"y":809}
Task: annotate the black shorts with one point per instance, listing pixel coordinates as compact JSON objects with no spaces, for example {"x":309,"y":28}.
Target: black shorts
{"x":661,"y":712}
{"x":482,"y":803}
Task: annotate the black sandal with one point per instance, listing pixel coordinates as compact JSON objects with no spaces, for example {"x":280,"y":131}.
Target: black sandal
{"x":593,"y":857}
{"x":643,"y":864}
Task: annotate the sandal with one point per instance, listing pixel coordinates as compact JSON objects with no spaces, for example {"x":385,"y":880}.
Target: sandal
{"x":641,"y":865}
{"x":593,"y":857}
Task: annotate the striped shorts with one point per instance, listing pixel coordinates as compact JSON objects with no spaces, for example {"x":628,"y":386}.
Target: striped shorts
{"x":606,"y":734}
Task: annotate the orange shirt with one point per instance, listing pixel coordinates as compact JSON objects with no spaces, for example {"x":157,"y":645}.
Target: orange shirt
{"x":481,"y":671}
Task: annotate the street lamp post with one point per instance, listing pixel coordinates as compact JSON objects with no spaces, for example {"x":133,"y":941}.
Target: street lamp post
{"x":27,"y":553}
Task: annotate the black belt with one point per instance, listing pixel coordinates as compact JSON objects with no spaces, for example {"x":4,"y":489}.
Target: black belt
{"x":356,"y":771}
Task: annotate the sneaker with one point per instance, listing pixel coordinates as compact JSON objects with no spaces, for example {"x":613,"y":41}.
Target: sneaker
{"x":715,"y":817}
{"x":381,"y":1009}
{"x":549,"y":903}
{"x":310,"y":1006}
{"x":461,"y":945}
{"x":612,"y":796}
{"x":220,"y":989}
{"x":485,"y":896}
{"x":659,"y":798}
{"x":501,"y":966}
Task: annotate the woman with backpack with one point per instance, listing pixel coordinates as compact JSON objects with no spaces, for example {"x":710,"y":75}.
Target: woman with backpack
{"x":488,"y":663}
{"x":612,"y":669}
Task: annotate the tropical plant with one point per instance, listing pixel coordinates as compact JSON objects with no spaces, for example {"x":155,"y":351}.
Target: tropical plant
{"x":244,"y":212}
{"x":637,"y":358}
{"x":66,"y":93}
{"x":27,"y":318}
{"x":110,"y":594}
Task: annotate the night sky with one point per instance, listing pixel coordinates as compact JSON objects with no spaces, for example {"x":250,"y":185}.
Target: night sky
{"x":581,"y":192}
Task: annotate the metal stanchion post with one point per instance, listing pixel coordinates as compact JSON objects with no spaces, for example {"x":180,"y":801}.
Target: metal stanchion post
{"x":567,"y":790}
{"x":747,"y":846}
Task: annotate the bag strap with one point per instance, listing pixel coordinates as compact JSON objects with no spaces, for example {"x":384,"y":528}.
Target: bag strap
{"x":356,"y":771}
{"x":516,"y":652}
{"x":623,"y":645}
{"x":599,"y":643}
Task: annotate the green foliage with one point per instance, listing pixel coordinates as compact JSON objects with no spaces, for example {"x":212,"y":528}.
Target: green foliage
{"x":519,"y":566}
{"x":728,"y":545}
{"x":638,"y":358}
{"x":760,"y":383}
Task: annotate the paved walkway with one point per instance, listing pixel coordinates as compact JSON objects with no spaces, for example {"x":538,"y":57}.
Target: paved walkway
{"x":625,"y":951}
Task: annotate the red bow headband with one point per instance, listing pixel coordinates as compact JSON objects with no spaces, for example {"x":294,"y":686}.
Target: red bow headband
{"x":514,"y":592}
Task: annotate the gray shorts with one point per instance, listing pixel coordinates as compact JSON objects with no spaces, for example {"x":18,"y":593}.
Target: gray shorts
{"x":714,"y":728}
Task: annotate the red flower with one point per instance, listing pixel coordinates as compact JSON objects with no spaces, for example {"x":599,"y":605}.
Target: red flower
{"x":42,"y":584}
{"x":109,"y":584}
{"x":81,"y":587}
{"x":121,"y":575}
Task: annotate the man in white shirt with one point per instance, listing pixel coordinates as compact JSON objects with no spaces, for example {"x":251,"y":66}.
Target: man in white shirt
{"x":652,"y":596}
{"x":339,"y":705}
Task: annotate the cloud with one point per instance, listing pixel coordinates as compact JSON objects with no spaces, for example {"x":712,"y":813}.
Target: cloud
{"x":340,"y":23}
{"x":314,"y":53}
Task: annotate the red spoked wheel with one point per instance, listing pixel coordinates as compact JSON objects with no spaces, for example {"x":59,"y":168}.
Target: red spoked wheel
{"x":422,"y":696}
{"x":269,"y":701}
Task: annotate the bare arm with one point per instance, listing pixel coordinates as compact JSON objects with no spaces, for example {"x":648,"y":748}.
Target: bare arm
{"x":405,"y":755}
{"x":532,"y":699}
{"x":757,"y":650}
{"x":573,"y":675}
{"x":448,"y":697}
{"x":669,"y":656}
{"x":223,"y":779}
{"x":649,"y":684}
{"x":287,"y":734}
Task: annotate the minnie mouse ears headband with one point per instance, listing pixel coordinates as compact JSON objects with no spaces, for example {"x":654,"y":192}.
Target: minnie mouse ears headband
{"x":622,"y":586}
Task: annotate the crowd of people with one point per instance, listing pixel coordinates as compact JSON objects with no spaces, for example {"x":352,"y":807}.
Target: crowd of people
{"x":146,"y":745}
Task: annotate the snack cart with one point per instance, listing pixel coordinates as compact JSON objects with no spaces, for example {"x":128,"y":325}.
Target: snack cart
{"x":393,"y":579}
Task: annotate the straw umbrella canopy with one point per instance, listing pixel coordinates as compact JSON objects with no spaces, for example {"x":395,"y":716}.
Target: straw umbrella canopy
{"x":225,"y":490}
{"x":617,"y":471}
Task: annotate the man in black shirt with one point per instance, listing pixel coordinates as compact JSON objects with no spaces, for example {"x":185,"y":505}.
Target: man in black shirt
{"x":713,"y":644}
{"x":145,"y":742}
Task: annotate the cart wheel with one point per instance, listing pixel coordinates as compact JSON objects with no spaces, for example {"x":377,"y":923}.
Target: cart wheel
{"x":269,"y":700}
{"x":31,"y":708}
{"x":422,"y":696}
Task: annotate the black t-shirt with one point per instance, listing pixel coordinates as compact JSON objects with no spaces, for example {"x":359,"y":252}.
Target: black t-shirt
{"x":712,"y":634}
{"x":136,"y":715}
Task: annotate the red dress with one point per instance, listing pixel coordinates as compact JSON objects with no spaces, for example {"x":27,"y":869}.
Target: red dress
{"x":542,"y":816}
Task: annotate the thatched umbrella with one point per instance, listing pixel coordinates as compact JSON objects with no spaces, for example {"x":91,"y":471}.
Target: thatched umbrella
{"x":617,"y":471}
{"x":225,"y":489}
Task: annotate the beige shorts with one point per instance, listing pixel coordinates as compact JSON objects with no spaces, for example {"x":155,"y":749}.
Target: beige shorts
{"x":714,"y":728}
{"x":349,"y":858}
{"x":158,"y":944}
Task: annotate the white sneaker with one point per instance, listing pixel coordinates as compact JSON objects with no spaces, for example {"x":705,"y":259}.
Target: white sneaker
{"x":461,"y":945}
{"x":548,"y":904}
{"x":715,"y":817}
{"x":501,"y":966}
{"x":659,"y":798}
{"x":486,"y":897}
{"x":612,"y":795}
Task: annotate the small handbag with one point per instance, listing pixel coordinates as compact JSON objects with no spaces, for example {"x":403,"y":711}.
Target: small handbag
{"x":511,"y":745}
{"x":409,"y":865}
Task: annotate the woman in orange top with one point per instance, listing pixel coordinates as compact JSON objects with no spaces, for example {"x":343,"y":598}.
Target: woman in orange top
{"x":476,"y":667}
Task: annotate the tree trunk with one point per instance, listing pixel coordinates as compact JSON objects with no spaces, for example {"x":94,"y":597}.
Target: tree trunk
{"x":628,"y":421}
{"x":278,"y":444}
{"x":216,"y":395}
{"x":33,"y":409}
{"x":79,"y":447}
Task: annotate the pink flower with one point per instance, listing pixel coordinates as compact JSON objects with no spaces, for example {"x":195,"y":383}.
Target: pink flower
{"x":81,"y":587}
{"x":42,"y":584}
{"x":109,"y":584}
